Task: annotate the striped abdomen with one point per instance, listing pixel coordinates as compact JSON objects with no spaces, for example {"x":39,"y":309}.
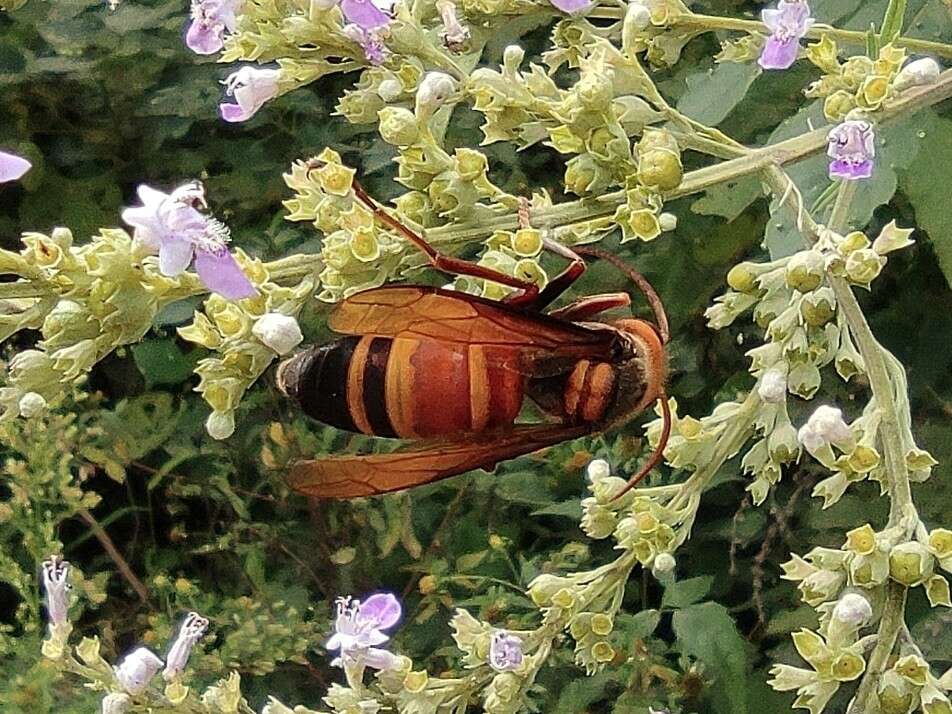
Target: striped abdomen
{"x":404,"y":387}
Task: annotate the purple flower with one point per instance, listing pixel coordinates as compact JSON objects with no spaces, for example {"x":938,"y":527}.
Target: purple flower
{"x":370,"y":41}
{"x":172,"y":226}
{"x":787,"y":24}
{"x":365,"y":13}
{"x":505,"y":651}
{"x":251,"y":87}
{"x":851,"y":149}
{"x":12,"y":167}
{"x":192,"y":630}
{"x":211,"y":21}
{"x":359,"y":628}
{"x":572,"y":7}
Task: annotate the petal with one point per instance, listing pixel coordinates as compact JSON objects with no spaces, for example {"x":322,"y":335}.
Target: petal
{"x":335,"y":642}
{"x":234,"y":113}
{"x":174,"y":255}
{"x":383,"y":608}
{"x":380,"y":659}
{"x":779,"y":54}
{"x":203,"y":39}
{"x":572,"y":7}
{"x":221,"y":273}
{"x":371,"y":638}
{"x":851,"y":171}
{"x":771,"y":18}
{"x":364,"y":13}
{"x":12,"y":167}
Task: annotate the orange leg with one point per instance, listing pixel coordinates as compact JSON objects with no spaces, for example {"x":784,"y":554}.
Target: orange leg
{"x":658,"y":455}
{"x":588,"y":307}
{"x":442,"y":262}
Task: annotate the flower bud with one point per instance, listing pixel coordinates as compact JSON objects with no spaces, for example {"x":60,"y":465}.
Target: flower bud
{"x":837,"y":105}
{"x":116,"y":703}
{"x":432,"y":93}
{"x":564,"y":598}
{"x":471,"y":164}
{"x":913,"y":669}
{"x":894,"y":693}
{"x":597,"y":470}
{"x":937,"y":590}
{"x":805,"y":270}
{"x":581,"y":172}
{"x":663,"y":565}
{"x":847,"y":667}
{"x":818,"y":307}
{"x":910,"y":563}
{"x":742,"y":279}
{"x":279,"y":332}
{"x":852,"y":241}
{"x":853,"y":609}
{"x":917,"y":73}
{"x":873,"y":91}
{"x":512,"y":58}
{"x":398,"y":126}
{"x":544,"y":587}
{"x":862,"y":540}
{"x":31,"y":404}
{"x":505,"y":651}
{"x":940,"y":543}
{"x":644,"y":224}
{"x":891,"y":238}
{"x":772,"y":387}
{"x":389,"y":90}
{"x":862,"y":266}
{"x":137,"y":669}
{"x":863,"y":459}
{"x":660,"y":168}
{"x":220,"y":425}
{"x":597,"y":521}
{"x":32,"y":370}
{"x":416,"y":681}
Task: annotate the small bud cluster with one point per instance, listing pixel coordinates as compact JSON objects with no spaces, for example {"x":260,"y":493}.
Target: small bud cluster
{"x":859,"y":83}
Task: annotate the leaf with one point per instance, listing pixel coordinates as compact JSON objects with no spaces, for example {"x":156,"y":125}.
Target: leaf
{"x":707,"y":633}
{"x":713,"y":93}
{"x":570,"y":509}
{"x":925,"y":184}
{"x":162,"y":362}
{"x":639,"y":625}
{"x":581,"y":692}
{"x":728,"y":199}
{"x":682,"y":593}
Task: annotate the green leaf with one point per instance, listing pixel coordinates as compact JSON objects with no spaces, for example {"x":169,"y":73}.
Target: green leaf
{"x":729,"y":199}
{"x":682,"y":593}
{"x":707,"y":633}
{"x":162,"y":362}
{"x":713,"y":93}
{"x":640,"y":625}
{"x":892,"y":21}
{"x":925,"y":184}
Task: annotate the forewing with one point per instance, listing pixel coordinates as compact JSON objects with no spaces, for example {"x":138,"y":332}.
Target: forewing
{"x":455,"y":317}
{"x":373,"y":474}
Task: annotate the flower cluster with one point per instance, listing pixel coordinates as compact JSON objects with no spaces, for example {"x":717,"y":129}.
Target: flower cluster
{"x":857,"y":84}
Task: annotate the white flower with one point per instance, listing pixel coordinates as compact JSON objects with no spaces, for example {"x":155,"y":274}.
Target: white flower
{"x":853,"y":609}
{"x":137,"y":669}
{"x":917,"y":72}
{"x":192,"y":630}
{"x":116,"y":703}
{"x":279,"y":332}
{"x":32,"y":404}
{"x":252,"y":87}
{"x":433,"y":91}
{"x":598,"y":469}
{"x":825,"y":426}
{"x":56,"y":585}
{"x":663,"y":564}
{"x":220,"y":425}
{"x":772,"y":387}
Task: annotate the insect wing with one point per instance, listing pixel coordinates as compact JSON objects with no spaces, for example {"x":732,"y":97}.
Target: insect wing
{"x":372,"y":474}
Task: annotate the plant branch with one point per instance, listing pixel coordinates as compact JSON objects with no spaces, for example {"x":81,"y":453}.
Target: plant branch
{"x":121,"y":564}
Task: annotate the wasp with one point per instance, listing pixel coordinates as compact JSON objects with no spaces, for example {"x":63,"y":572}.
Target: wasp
{"x":450,"y":372}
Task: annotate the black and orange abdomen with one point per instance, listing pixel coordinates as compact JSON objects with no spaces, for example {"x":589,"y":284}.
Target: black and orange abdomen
{"x":404,"y":387}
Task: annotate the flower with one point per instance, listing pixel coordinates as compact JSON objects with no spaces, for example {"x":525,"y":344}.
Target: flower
{"x":772,"y":387}
{"x":279,"y":332}
{"x":853,"y":609}
{"x":824,"y":426}
{"x":787,"y":23}
{"x":370,"y":41}
{"x":572,"y":7}
{"x":56,"y":585}
{"x":137,"y":669}
{"x":366,"y":14}
{"x":211,"y":20}
{"x":454,"y":34}
{"x":31,"y":404}
{"x":116,"y":703}
{"x":192,"y":630}
{"x":598,"y":469}
{"x":12,"y":167}
{"x":505,"y":651}
{"x":359,"y":627}
{"x":252,"y":88}
{"x":852,"y":148}
{"x":434,"y":90}
{"x":172,"y":226}
{"x":917,"y":73}
{"x":220,"y":425}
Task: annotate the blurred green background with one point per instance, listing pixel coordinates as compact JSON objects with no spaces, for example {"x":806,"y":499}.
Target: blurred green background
{"x":102,"y":99}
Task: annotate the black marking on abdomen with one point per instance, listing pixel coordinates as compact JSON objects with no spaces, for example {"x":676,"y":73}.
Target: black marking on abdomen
{"x":375,"y":387}
{"x":324,"y":392}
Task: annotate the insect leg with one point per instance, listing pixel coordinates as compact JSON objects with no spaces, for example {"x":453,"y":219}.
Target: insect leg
{"x":590,"y":306}
{"x":442,"y":262}
{"x":559,"y":284}
{"x":658,"y":456}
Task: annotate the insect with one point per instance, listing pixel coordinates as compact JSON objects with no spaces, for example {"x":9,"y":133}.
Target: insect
{"x":450,"y":372}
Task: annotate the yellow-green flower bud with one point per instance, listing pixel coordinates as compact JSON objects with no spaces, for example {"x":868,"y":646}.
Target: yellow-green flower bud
{"x":637,"y":19}
{"x":853,"y":241}
{"x":910,"y":563}
{"x":471,"y":164}
{"x":564,"y":598}
{"x":818,"y":307}
{"x":644,"y":224}
{"x":527,"y":242}
{"x":602,"y":652}
{"x":601,"y":624}
{"x":894,"y":693}
{"x":530,"y":270}
{"x":597,"y":521}
{"x":847,"y":667}
{"x":868,"y":571}
{"x":920,"y":460}
{"x":512,"y":58}
{"x":782,"y":443}
{"x":398,"y":126}
{"x":940,"y":543}
{"x":335,"y":178}
{"x":75,"y":360}
{"x":873,"y":91}
{"x":862,"y":540}
{"x":937,"y":590}
{"x":863,"y":459}
{"x":862,"y":266}
{"x":415,"y":205}
{"x":544,"y":586}
{"x":805,"y":271}
{"x":660,"y":168}
{"x":658,"y":139}
{"x":837,"y":105}
{"x":742,"y":278}
{"x":581,"y":172}
{"x":565,"y":141}
{"x":220,"y":425}
{"x":810,"y":645}
{"x":891,"y":238}
{"x":934,"y":701}
{"x":913,"y":669}
{"x":416,"y":681}
{"x":68,"y":322}
{"x":364,"y":246}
